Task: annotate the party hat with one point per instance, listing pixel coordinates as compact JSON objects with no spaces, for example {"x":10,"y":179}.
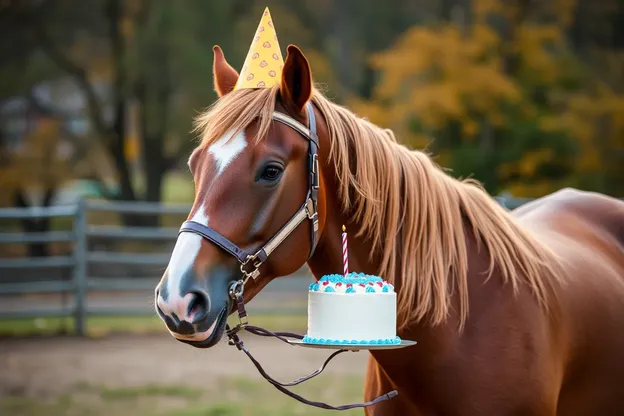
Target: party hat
{"x":264,"y":62}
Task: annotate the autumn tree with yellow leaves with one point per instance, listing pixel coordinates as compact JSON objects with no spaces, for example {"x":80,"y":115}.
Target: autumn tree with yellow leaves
{"x":501,"y":93}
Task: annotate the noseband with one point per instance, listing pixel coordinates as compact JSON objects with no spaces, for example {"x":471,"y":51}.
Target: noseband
{"x":250,"y":263}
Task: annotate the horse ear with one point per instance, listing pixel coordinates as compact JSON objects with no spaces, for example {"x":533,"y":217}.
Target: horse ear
{"x":296,"y":84}
{"x":224,"y":76}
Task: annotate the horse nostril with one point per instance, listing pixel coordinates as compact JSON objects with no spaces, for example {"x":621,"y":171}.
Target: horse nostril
{"x":198,"y":307}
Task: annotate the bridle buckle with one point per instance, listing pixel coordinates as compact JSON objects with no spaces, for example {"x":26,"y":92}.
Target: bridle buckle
{"x":315,"y":172}
{"x":253,"y":260}
{"x":236,"y":289}
{"x":310,"y":211}
{"x":236,"y":293}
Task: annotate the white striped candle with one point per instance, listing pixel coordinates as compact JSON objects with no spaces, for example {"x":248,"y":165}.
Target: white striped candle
{"x":345,"y":252}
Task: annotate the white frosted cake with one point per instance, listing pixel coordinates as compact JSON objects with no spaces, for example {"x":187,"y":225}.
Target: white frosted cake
{"x":358,"y":309}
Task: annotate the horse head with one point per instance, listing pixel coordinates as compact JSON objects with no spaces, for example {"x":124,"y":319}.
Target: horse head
{"x":252,"y":177}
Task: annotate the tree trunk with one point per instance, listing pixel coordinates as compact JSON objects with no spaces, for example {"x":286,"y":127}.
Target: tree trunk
{"x":341,"y":28}
{"x":35,"y":225}
{"x":153,"y":91}
{"x":117,"y":147}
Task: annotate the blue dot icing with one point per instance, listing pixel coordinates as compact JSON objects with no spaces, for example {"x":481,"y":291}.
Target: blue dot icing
{"x":387,"y":341}
{"x":350,"y":290}
{"x":329,"y":289}
{"x":370,"y":289}
{"x":353,"y":278}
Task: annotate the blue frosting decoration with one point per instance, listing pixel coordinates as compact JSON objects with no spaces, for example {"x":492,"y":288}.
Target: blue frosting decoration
{"x":387,"y":341}
{"x":351,"y":283}
{"x":353,"y":278}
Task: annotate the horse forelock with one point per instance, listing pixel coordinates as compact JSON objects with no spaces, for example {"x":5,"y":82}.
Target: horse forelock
{"x":401,"y":198}
{"x":235,"y":112}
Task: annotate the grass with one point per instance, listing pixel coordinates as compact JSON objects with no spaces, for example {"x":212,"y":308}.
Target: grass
{"x":228,"y":396}
{"x":150,"y":390}
{"x":102,"y":326}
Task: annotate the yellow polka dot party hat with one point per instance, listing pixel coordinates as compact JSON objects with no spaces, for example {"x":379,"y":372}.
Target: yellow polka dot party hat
{"x":263,"y":64}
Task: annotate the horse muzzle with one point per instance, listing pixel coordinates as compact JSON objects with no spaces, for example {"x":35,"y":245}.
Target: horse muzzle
{"x":195,"y":310}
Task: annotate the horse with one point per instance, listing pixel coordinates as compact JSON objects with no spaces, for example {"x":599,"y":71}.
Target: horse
{"x":514,"y":312}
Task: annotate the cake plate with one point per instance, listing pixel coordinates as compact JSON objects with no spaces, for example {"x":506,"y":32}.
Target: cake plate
{"x":352,"y":347}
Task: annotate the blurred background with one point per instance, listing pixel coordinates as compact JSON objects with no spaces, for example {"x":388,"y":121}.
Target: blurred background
{"x":97,"y":100}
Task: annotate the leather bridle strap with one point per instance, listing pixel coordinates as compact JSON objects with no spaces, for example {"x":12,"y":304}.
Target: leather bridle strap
{"x":282,"y":386}
{"x":250,"y":263}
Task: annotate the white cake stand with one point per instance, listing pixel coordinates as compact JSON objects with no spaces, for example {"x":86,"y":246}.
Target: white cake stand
{"x":352,"y":347}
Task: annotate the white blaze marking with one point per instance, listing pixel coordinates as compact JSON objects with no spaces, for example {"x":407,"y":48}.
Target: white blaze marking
{"x":200,"y":216}
{"x":226,"y":149}
{"x":184,"y":253}
{"x":187,"y":247}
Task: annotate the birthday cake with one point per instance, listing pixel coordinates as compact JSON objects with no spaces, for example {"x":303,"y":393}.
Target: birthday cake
{"x":356,"y":309}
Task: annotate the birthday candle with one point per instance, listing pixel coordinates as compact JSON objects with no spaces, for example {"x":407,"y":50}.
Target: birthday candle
{"x":345,"y":253}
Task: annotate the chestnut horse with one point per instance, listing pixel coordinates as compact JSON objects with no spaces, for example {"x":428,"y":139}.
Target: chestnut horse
{"x":515,"y":313}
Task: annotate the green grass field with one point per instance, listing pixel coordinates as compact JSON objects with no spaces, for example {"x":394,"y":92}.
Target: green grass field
{"x":101,"y":326}
{"x":230,"y":396}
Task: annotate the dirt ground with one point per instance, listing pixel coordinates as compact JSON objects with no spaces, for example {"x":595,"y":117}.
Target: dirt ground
{"x":46,"y":367}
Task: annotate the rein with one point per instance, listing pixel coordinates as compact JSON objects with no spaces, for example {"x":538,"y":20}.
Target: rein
{"x":250,"y":264}
{"x":236,"y":293}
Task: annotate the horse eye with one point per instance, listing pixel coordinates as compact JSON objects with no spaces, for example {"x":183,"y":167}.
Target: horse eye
{"x":271,"y":173}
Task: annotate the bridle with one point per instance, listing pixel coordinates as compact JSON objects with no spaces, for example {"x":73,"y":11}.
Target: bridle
{"x":250,"y":262}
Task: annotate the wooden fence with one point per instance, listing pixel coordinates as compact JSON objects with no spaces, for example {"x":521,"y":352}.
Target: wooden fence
{"x":80,"y":282}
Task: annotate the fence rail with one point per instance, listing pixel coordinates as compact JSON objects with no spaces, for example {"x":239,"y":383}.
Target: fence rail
{"x":80,"y":281}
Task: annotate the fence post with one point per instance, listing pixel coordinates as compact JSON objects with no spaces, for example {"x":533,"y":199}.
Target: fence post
{"x":80,"y":268}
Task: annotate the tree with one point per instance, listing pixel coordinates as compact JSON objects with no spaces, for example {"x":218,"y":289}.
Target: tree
{"x":139,"y":63}
{"x":498,"y":93}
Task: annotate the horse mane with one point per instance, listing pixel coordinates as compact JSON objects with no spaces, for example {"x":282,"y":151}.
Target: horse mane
{"x":408,"y":207}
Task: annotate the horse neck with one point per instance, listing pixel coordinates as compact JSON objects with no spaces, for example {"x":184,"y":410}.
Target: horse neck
{"x":327,"y":258}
